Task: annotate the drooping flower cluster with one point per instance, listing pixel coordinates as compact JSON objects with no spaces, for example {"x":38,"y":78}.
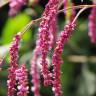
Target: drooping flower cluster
{"x":56,"y":59}
{"x":53,"y":31}
{"x":44,"y":35}
{"x":21,"y":77}
{"x":92,"y":24}
{"x":13,"y":65}
{"x":46,"y":41}
{"x":35,"y":72}
{"x":15,"y":6}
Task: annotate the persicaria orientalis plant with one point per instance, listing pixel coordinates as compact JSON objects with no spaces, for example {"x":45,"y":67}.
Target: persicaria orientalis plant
{"x":47,"y":40}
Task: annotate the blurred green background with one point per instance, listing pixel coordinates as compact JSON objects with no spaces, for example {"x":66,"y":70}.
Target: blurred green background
{"x":79,"y":68}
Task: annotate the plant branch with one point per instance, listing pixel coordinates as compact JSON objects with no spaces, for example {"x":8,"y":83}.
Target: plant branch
{"x":76,"y":7}
{"x":29,"y":25}
{"x":79,"y":13}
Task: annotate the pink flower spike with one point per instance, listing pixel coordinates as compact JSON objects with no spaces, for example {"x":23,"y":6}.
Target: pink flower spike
{"x":92,"y":24}
{"x":56,"y":59}
{"x":35,"y":72}
{"x":13,"y":65}
{"x":45,"y":39}
{"x":21,"y":76}
{"x":53,"y":32}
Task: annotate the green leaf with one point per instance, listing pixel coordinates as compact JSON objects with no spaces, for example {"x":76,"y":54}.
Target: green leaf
{"x":14,"y":25}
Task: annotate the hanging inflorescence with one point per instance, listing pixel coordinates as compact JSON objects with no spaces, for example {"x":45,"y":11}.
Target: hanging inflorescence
{"x":35,"y":72}
{"x":56,"y":58}
{"x":22,"y":79}
{"x":11,"y":83}
{"x":46,"y":36}
{"x":92,"y":24}
{"x":16,"y":73}
{"x":48,"y":40}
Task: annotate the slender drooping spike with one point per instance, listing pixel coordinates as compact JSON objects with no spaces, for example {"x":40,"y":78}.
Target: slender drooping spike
{"x":13,"y":65}
{"x":35,"y":72}
{"x":21,"y":77}
{"x":44,"y":36}
{"x":92,"y":24}
{"x":15,"y":6}
{"x":57,"y":60}
{"x":53,"y":32}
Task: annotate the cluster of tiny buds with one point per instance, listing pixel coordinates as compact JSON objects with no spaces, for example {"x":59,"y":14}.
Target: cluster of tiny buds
{"x":21,"y":77}
{"x":56,"y":58}
{"x":13,"y":64}
{"x":14,"y":50}
{"x":45,"y":39}
{"x":92,"y":24}
{"x":35,"y":72}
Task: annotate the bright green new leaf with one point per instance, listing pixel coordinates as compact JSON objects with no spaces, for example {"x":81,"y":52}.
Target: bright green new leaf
{"x":14,"y":25}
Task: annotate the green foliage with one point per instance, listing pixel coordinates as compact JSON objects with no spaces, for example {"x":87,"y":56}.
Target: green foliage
{"x":14,"y":25}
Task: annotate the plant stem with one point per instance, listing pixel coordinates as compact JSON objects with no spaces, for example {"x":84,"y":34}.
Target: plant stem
{"x":76,"y":7}
{"x":79,"y":13}
{"x":29,"y":25}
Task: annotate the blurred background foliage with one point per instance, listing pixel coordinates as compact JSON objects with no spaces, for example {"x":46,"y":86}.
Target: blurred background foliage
{"x":79,"y":68}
